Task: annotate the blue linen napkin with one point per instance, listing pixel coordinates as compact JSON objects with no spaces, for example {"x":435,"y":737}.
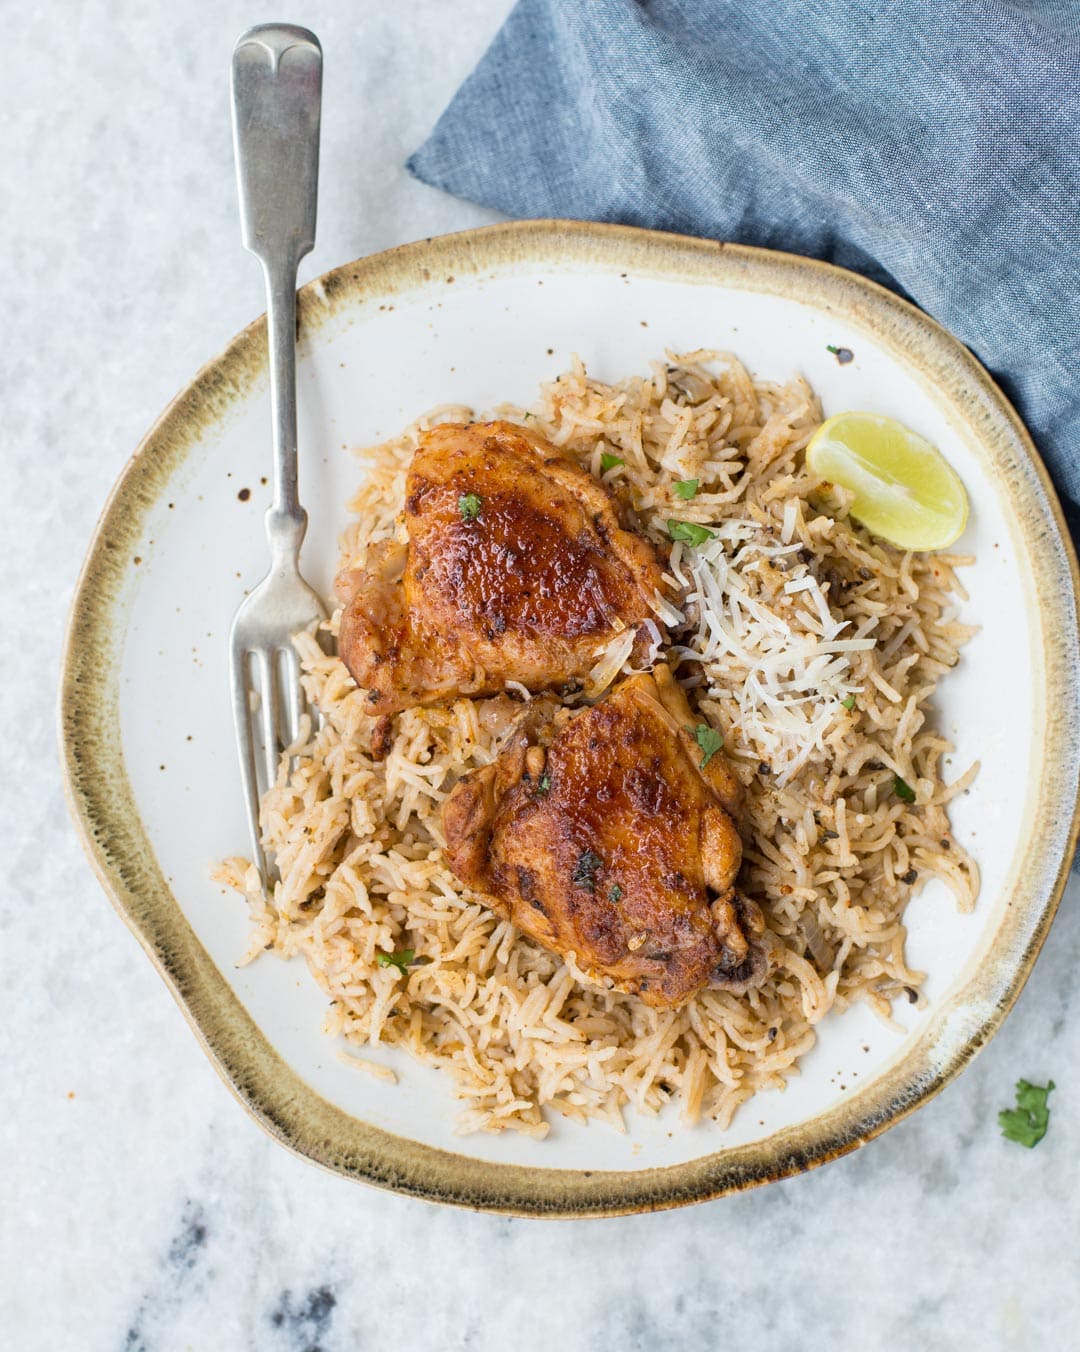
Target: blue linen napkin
{"x":932,"y":146}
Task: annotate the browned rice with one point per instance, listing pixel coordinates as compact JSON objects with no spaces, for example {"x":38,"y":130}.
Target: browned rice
{"x":524,"y":1033}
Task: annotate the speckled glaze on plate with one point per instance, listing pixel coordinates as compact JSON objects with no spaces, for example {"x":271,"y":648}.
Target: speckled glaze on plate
{"x":481,"y":318}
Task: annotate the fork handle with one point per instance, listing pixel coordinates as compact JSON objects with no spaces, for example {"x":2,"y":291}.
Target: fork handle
{"x":276,"y":104}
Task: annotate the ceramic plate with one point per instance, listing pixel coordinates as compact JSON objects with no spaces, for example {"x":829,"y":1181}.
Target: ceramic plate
{"x":482,"y":318}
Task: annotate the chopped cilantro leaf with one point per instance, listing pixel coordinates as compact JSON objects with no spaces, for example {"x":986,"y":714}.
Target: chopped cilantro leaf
{"x":903,"y":790}
{"x":584,"y":874}
{"x":685,"y":488}
{"x":708,"y":739}
{"x":401,"y":960}
{"x":543,"y":784}
{"x":848,"y":702}
{"x":609,"y":461}
{"x":1027,"y":1122}
{"x":615,"y":893}
{"x":688,"y":532}
{"x":469,"y":505}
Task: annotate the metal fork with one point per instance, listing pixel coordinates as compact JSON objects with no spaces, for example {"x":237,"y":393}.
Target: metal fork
{"x":276,"y":100}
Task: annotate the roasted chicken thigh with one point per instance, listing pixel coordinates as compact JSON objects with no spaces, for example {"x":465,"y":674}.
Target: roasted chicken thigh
{"x":516,"y":570}
{"x":608,"y":832}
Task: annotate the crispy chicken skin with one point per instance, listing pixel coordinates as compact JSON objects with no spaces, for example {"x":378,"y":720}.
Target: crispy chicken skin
{"x":599,"y":832}
{"x":517,"y":569}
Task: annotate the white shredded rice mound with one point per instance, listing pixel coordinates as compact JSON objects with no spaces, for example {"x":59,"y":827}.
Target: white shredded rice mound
{"x":811,"y":646}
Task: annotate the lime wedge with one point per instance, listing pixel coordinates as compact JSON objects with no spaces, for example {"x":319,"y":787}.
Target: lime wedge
{"x":905,"y":490}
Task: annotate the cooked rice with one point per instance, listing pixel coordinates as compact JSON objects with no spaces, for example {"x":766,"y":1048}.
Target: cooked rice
{"x":788,"y":612}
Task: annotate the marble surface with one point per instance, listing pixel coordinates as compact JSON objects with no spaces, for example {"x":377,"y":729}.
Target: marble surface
{"x":141,"y":1208}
